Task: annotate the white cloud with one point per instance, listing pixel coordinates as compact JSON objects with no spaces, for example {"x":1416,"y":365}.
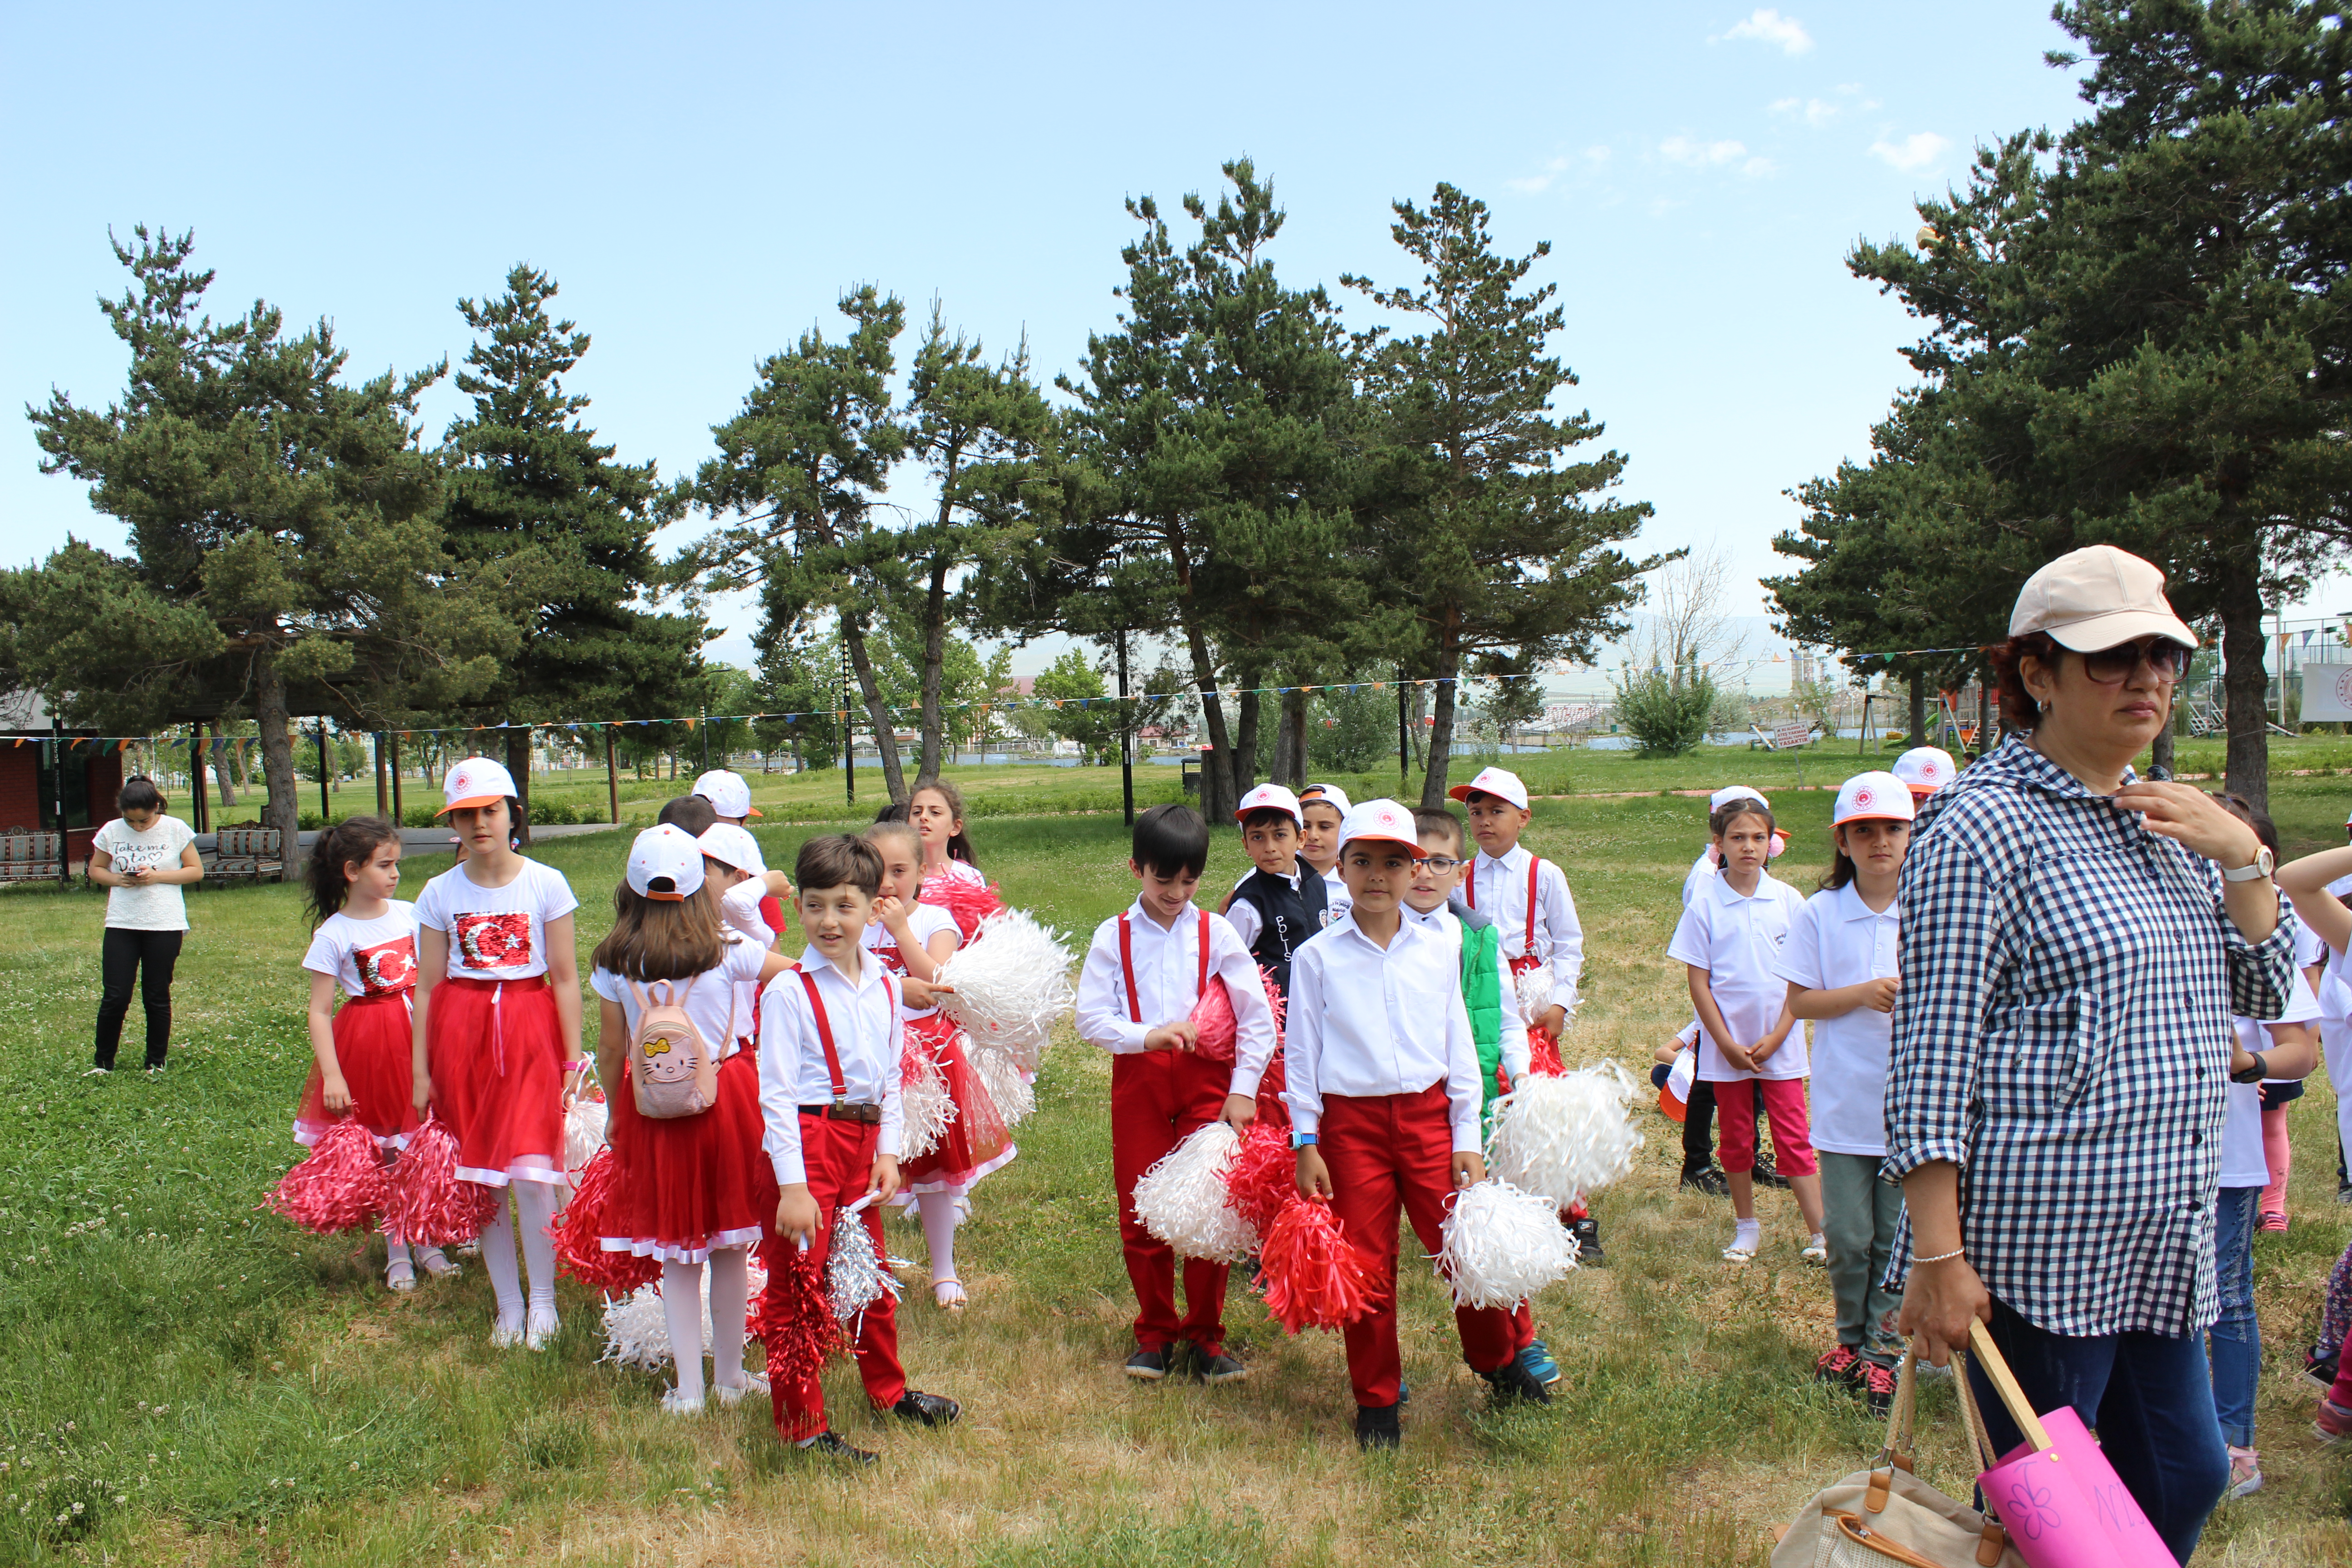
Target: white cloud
{"x":1766,"y":26}
{"x":1813,"y":112}
{"x":1532,"y":185}
{"x":1596,"y":153}
{"x":1756,"y":168}
{"x":1913,"y":153}
{"x":1700,"y":154}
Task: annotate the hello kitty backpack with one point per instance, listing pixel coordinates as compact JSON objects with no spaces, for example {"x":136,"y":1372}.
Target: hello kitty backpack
{"x":671,"y":1066}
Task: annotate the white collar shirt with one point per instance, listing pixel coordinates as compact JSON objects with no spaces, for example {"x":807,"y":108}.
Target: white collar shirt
{"x":1167,"y":961}
{"x":1498,"y":889}
{"x":1737,"y":938}
{"x":1837,"y":940}
{"x":1367,"y":1021}
{"x":867,"y":1037}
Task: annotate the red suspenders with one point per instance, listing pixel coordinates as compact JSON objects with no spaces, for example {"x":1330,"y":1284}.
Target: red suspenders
{"x":1470,"y":890}
{"x":1126,"y":963}
{"x":825,"y":1032}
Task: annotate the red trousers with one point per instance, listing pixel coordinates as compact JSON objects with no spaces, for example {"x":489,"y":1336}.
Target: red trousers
{"x":839,"y":1155}
{"x":1386,"y":1154}
{"x":1158,"y":1099}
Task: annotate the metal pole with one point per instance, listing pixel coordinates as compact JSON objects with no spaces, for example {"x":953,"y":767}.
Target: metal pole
{"x":383,"y":790}
{"x":848,"y":727}
{"x":57,"y":788}
{"x":196,"y":773}
{"x":612,"y":779}
{"x":705,"y":735}
{"x":1125,"y":733}
{"x":324,"y":811}
{"x":392,"y":764}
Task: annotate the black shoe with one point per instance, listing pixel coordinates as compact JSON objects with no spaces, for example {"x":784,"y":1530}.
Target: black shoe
{"x":1515,"y":1384}
{"x":1148,"y":1364}
{"x":2344,"y":1192}
{"x":2319,"y":1371}
{"x":1707,"y":1180}
{"x":1768,"y":1176}
{"x":832,"y":1446}
{"x":1376,"y":1426}
{"x":930,"y":1409}
{"x":1216,"y":1366}
{"x":1586,"y":1232}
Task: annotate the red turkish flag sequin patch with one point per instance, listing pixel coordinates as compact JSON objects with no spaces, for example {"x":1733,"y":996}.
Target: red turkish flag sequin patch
{"x":387,"y":967}
{"x":494,"y":942}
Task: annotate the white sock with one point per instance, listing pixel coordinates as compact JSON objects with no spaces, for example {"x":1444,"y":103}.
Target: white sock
{"x":1746,"y":1233}
{"x":535,"y":1206}
{"x":395,"y":1251}
{"x":498,"y":1241}
{"x":731,"y":1290}
{"x":939,"y":1216}
{"x":682,"y":1289}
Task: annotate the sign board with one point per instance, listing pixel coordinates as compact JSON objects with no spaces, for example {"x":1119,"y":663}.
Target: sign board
{"x":1568,"y":715}
{"x":1787,"y":736}
{"x":2326,"y":691}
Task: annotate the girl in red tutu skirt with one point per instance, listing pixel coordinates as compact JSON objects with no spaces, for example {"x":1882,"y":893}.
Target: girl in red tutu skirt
{"x":913,"y":938}
{"x":951,"y":872}
{"x":690,"y":1189}
{"x":496,"y":1051}
{"x":365,"y":946}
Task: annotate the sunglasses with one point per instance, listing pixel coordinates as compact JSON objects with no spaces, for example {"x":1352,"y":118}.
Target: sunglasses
{"x":2109,"y":666}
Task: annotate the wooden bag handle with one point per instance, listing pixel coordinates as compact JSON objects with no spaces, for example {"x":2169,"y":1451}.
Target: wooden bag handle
{"x":1988,"y":1355}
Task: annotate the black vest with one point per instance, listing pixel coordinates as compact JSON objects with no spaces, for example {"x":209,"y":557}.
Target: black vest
{"x":1286,"y":916}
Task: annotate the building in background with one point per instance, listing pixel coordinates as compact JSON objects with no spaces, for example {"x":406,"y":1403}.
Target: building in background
{"x":38,"y":763}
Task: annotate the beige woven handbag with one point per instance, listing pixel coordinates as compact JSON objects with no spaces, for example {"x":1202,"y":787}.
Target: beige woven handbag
{"x":1886,"y":1517}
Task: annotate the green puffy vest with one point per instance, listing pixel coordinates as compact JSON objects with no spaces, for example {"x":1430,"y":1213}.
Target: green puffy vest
{"x":1482,"y":991}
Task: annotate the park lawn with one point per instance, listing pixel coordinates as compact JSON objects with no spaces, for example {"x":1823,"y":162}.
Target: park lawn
{"x":255,"y":1395}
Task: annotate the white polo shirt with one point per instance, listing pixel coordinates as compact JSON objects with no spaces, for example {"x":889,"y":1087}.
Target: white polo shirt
{"x":2244,"y":1161}
{"x":1837,"y":940}
{"x":1738,"y":939}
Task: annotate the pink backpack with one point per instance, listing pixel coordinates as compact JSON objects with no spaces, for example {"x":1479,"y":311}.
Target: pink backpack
{"x":672,"y":1067}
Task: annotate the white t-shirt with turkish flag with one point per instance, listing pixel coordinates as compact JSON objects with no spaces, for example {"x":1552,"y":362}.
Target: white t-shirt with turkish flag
{"x":925,"y":922}
{"x":371,"y":958}
{"x":496,"y":933}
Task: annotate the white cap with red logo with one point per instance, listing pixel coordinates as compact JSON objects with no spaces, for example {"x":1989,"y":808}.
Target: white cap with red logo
{"x":1270,"y":797}
{"x":1380,"y":822}
{"x":733,"y":845}
{"x":1872,"y":797}
{"x":1500,"y":782}
{"x":727,"y":793}
{"x":666,"y":864}
{"x":1328,"y":794}
{"x":1730,"y":792}
{"x":476,"y":780}
{"x":1925,"y":769}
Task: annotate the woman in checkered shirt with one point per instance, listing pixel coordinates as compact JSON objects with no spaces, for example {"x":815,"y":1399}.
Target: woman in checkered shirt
{"x":2074,"y":944}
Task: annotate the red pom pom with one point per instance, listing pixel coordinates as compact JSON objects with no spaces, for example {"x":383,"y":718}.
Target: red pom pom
{"x":1543,"y":1053}
{"x":1276,"y":1000}
{"x":429,"y":1204}
{"x":1262,"y":1176}
{"x":970,"y":905}
{"x":341,"y":1186}
{"x":1212,"y":1015}
{"x":1271,"y":1107}
{"x":577,"y":1230}
{"x":793,"y":1318}
{"x":1315,"y":1278}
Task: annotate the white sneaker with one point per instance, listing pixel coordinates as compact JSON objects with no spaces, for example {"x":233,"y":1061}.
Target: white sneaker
{"x":1817,"y":1251}
{"x":753,"y":1383}
{"x":540,"y":1327}
{"x":98,"y":1072}
{"x":506,"y":1336}
{"x":1738,"y":1253}
{"x":2245,"y":1471}
{"x":673,"y":1403}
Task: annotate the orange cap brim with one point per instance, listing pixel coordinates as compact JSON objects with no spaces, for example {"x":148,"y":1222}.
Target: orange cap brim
{"x":753,"y":811}
{"x":472,"y":800}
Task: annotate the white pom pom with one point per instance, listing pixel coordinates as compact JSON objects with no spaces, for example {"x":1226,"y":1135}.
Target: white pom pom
{"x":584,"y":1134}
{"x":1502,"y":1246}
{"x":1012,"y":984}
{"x":1565,"y":1137}
{"x":1533,"y":987}
{"x":1015,"y":1097}
{"x":1181,"y":1200}
{"x":924,"y":1102}
{"x":636,"y":1329}
{"x":855,"y":1275}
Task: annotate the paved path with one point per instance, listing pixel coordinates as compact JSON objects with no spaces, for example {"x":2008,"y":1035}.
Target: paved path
{"x":441,"y":837}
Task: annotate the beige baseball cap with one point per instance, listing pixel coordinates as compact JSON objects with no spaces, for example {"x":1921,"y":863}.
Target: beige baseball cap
{"x":2096,"y":597}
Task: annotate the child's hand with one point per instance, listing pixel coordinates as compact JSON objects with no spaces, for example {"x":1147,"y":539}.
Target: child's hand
{"x":1669,"y":1053}
{"x":1177,"y":1037}
{"x":781,"y":886}
{"x":1761,"y":1051}
{"x":421,"y":1096}
{"x":334,"y":1093}
{"x":1469,"y":1168}
{"x":921,"y":994}
{"x":891,"y":912}
{"x":796,"y":1216}
{"x":1239,"y":1112}
{"x":1739,"y":1056}
{"x":1878,"y":995}
{"x":882,"y":1178}
{"x":1554,"y":1019}
{"x":1314,"y":1175}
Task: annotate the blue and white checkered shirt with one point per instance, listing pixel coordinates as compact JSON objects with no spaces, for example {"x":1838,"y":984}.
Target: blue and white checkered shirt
{"x":2063,"y":1034}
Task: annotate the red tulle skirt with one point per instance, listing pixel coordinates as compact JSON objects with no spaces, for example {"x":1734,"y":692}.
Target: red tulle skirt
{"x":689,"y":1185}
{"x":496,"y":1054}
{"x":977,"y":1142}
{"x":374,"y":1048}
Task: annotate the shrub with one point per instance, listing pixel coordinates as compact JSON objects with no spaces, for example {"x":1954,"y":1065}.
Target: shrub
{"x":1667,"y":710}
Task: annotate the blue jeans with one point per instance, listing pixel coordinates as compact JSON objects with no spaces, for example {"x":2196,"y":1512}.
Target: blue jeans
{"x":2149,"y":1398}
{"x":2237,"y":1339}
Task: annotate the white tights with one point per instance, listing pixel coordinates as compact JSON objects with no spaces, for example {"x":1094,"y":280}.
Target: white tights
{"x":938,"y":1212}
{"x":535,"y":1202}
{"x":731,"y":1289}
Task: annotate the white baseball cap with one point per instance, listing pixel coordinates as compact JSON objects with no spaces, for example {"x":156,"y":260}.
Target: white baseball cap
{"x":476,"y":780}
{"x":1329,"y":795}
{"x":1873,"y":796}
{"x":1270,"y":797}
{"x":1924,"y":768}
{"x":666,"y":854}
{"x":727,"y":793}
{"x":1381,"y":821}
{"x":1730,"y":792}
{"x":732,"y":845}
{"x":2095,"y":597}
{"x":1500,"y":782}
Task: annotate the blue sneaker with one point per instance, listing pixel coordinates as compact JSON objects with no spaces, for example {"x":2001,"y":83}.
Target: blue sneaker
{"x":1538,"y":1360}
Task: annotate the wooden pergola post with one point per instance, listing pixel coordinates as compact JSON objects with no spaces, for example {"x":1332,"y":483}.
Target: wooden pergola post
{"x":612,"y":779}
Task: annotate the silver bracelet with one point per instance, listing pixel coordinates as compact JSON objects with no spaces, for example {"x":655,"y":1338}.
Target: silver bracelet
{"x":1942,"y":1257}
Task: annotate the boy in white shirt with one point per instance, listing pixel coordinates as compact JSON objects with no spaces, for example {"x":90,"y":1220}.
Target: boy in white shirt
{"x":1321,"y":807}
{"x":1145,"y":969}
{"x":1281,"y":903}
{"x":1384,"y":1100}
{"x":830,"y":1045}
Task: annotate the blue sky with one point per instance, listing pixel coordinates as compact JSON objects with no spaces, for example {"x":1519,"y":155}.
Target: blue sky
{"x":705,"y":180}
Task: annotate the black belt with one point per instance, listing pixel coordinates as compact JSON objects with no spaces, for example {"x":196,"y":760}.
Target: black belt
{"x":842,"y":1111}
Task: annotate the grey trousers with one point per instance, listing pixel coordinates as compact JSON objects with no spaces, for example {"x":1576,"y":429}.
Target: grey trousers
{"x":1858,"y":1219}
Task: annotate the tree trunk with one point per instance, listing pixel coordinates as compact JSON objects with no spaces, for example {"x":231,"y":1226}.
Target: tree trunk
{"x":283,"y":809}
{"x":1245,"y":745}
{"x":2160,"y":754}
{"x":221,"y":770}
{"x":1290,"y":742}
{"x":886,"y":743}
{"x":2246,"y":688}
{"x":518,"y":764}
{"x":1415,"y":729}
{"x":934,"y":637}
{"x":1441,"y":735}
{"x":1217,"y":796}
{"x":1918,"y":710}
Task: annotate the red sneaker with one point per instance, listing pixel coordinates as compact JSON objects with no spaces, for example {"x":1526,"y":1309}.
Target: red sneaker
{"x":1839,"y":1364}
{"x":1878,"y":1387}
{"x":2334,"y":1422}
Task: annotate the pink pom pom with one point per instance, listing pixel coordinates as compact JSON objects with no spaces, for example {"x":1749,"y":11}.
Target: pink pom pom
{"x":968,"y":904}
{"x":793,"y":1318}
{"x":578,"y":1229}
{"x":1271,"y":1107}
{"x":341,"y":1186}
{"x":1276,"y":1000}
{"x":1543,"y":1053}
{"x":1315,"y":1278}
{"x":429,"y":1204}
{"x":1262,"y":1176}
{"x":1212,"y":1015}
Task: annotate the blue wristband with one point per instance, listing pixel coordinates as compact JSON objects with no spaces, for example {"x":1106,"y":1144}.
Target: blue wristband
{"x":1304,"y":1140}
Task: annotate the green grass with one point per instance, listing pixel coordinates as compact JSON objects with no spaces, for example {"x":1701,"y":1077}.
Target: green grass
{"x":296,"y":1412}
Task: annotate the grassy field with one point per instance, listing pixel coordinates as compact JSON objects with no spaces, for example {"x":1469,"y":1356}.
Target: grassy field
{"x":212,"y":1387}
